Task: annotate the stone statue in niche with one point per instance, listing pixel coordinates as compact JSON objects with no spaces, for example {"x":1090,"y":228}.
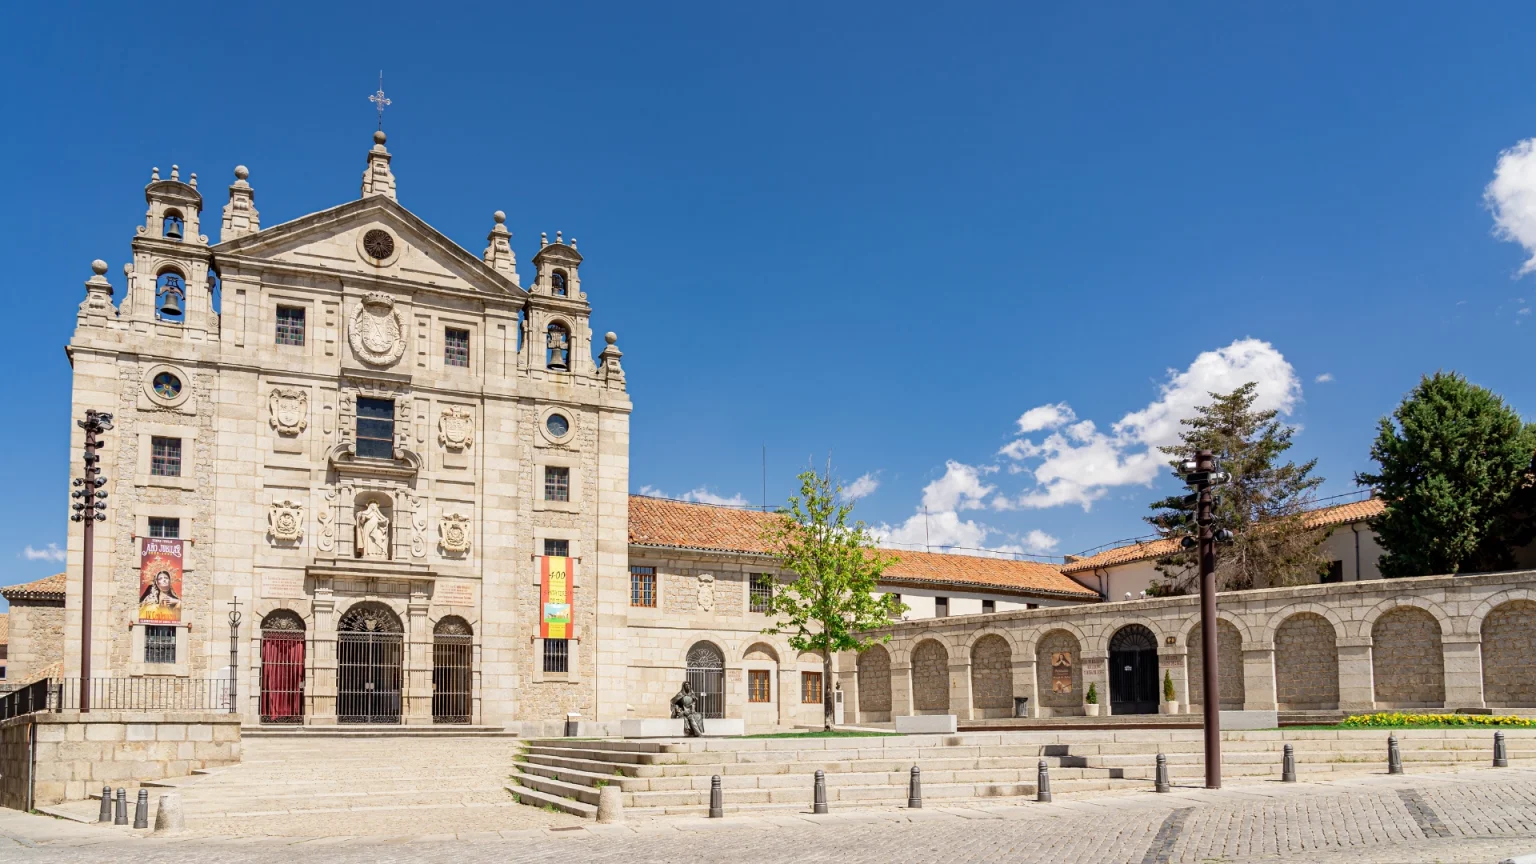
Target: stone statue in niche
{"x":285,"y":521}
{"x":372,"y":532}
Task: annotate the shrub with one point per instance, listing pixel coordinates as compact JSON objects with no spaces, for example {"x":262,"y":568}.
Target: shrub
{"x":1167,"y":686}
{"x":1093,"y":694}
{"x":1383,"y":719}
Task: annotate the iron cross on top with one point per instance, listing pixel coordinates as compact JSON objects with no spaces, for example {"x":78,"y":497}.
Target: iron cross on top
{"x":379,"y":100}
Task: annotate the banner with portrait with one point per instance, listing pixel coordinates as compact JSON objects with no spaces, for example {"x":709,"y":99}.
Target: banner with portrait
{"x":1061,"y":672}
{"x":555,"y":597}
{"x":160,"y":580}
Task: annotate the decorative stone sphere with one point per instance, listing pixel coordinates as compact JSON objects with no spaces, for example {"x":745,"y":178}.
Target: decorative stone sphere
{"x":242,"y":172}
{"x":378,"y":137}
{"x":499,"y":216}
{"x":611,"y":337}
{"x":99,"y":267}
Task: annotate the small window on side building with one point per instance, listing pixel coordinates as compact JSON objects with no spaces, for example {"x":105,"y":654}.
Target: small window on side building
{"x":557,"y":656}
{"x":1334,"y":573}
{"x":758,"y":689}
{"x":642,"y":587}
{"x":941,"y":607}
{"x":557,"y":548}
{"x":557,"y":483}
{"x":761,"y":592}
{"x":810,"y":688}
{"x":164,"y":527}
{"x":159,"y":644}
{"x":988,"y":606}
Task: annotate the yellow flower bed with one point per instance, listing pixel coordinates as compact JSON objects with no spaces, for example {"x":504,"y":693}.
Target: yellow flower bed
{"x":1400,"y":718}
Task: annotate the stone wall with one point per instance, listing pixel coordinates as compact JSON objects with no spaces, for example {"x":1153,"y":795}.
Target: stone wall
{"x":1229,"y":649}
{"x":1509,"y":655}
{"x":992,"y":677}
{"x":930,"y":678}
{"x":1306,"y":663}
{"x":77,"y":753}
{"x":874,"y":685}
{"x":1408,"y":659}
{"x":36,"y":641}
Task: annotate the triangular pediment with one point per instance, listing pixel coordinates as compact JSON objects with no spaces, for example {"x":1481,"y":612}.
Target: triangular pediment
{"x":334,"y":241}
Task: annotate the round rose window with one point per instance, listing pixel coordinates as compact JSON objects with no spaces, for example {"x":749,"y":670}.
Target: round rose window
{"x":378,"y":244}
{"x":557,"y":425}
{"x":166,"y":385}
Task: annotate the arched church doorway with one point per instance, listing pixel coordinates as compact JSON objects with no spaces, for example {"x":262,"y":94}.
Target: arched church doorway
{"x":282,"y":667}
{"x":452,"y":650}
{"x":1133,"y":671}
{"x":706,"y":672}
{"x":369,"y":647}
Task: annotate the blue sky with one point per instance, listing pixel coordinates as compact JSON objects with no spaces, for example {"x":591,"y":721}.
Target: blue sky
{"x":883,"y":232}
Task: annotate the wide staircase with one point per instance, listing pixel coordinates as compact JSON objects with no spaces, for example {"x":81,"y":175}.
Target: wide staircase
{"x":673,"y":777}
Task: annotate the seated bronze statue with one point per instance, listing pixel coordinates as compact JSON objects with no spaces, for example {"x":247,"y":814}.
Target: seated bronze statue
{"x":685,"y":705}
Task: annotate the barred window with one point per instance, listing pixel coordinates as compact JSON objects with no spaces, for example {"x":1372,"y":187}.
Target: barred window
{"x":159,"y":644}
{"x":164,"y":527}
{"x":557,"y":548}
{"x":557,"y":656}
{"x":642,"y":587}
{"x":761,"y":592}
{"x":810,"y":688}
{"x":557,"y":483}
{"x":376,"y":428}
{"x":456,"y":347}
{"x":757,"y":685}
{"x":165,"y":456}
{"x":290,"y":325}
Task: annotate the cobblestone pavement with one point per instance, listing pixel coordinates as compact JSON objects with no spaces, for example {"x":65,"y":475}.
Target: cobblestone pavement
{"x":1472,"y":816}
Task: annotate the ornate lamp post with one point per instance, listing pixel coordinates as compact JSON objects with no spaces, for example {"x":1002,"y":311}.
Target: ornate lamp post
{"x":90,"y":507}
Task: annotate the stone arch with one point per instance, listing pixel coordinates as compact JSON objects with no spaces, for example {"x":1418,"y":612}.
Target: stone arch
{"x":1061,"y":692}
{"x":1444,"y":622}
{"x":874,"y":666}
{"x":761,"y":651}
{"x":1407,"y":657}
{"x":1307,"y":662}
{"x":1272,"y":626}
{"x":452,"y":625}
{"x":1190,"y":634}
{"x":705,"y":664}
{"x":1029,"y":646}
{"x":284,"y":620}
{"x":370,"y":616}
{"x":930,"y":677}
{"x":1121,"y":622}
{"x":992,"y":676}
{"x":1229,"y":664}
{"x":1509,"y":654}
{"x":1474,"y":622}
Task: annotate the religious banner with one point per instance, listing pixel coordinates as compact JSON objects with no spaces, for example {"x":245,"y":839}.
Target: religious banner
{"x":555,"y":597}
{"x":1061,"y":672}
{"x":160,"y":580}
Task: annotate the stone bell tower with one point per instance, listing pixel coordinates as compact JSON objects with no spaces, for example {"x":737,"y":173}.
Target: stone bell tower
{"x":558,"y":338}
{"x":170,"y":282}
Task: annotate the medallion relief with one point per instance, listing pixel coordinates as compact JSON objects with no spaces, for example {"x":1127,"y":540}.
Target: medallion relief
{"x":454,"y":533}
{"x":290,"y":410}
{"x":327,"y":519}
{"x":378,"y":331}
{"x":456,"y":428}
{"x":285,"y":521}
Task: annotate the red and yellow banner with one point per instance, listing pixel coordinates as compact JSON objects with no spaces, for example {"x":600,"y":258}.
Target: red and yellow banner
{"x":555,"y":597}
{"x":160,"y":580}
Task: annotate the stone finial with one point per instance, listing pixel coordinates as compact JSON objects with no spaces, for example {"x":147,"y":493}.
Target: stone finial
{"x":608,"y":366}
{"x":154,"y":174}
{"x":498,"y":251}
{"x":377,"y":178}
{"x":192,"y":179}
{"x":96,"y":308}
{"x":558,"y":238}
{"x":176,"y":172}
{"x":573,"y":242}
{"x":543,"y":239}
{"x":240,"y":215}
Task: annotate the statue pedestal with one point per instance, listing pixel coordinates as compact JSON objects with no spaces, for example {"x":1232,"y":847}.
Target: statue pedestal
{"x":662,"y":727}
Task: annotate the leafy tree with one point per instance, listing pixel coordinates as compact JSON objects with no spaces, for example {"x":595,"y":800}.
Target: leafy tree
{"x":832,"y":602}
{"x":1457,"y":478}
{"x":1263,"y":505}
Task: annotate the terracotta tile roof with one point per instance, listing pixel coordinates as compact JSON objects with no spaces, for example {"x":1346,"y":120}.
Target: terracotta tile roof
{"x":1143,"y":550}
{"x":46,"y":588}
{"x":663,"y":523}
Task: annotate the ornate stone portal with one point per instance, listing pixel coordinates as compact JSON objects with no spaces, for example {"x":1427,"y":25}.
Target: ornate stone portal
{"x":378,"y":332}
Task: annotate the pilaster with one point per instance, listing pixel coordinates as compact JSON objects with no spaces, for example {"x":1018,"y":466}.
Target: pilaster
{"x":1259,"y":677}
{"x":1464,"y":671}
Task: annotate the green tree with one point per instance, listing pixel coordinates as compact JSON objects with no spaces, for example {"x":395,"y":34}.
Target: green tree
{"x":1263,"y":506}
{"x":832,"y":603}
{"x":1456,"y":476}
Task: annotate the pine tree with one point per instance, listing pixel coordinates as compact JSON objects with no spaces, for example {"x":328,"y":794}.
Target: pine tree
{"x":1457,"y":478}
{"x":1262,"y":506}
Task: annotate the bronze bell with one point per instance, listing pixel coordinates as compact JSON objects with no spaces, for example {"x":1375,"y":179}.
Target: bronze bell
{"x":173,"y":228}
{"x":557,"y":361}
{"x":170,"y":299}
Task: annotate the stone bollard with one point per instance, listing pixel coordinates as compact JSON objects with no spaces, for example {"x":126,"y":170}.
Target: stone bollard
{"x":1288,"y":765}
{"x":1162,"y":784}
{"x":1043,"y":784}
{"x":168,"y":818}
{"x":819,"y":803}
{"x":120,"y":815}
{"x":1394,"y":756}
{"x":610,"y":804}
{"x":106,"y":805}
{"x":716,"y":798}
{"x":1500,"y":755}
{"x":141,"y":809}
{"x":915,"y":790}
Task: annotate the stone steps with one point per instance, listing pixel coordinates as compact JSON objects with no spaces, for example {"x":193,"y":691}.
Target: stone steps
{"x":301,"y":732}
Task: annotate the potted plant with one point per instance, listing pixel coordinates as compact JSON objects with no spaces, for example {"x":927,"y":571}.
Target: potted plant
{"x":1091,"y":700}
{"x":1170,"y":705}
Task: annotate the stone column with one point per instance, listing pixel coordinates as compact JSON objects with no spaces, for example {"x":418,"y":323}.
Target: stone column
{"x":1464,"y":671}
{"x":901,"y":689}
{"x":1025,"y":685}
{"x":960,"y":689}
{"x":418,"y":660}
{"x":320,"y":657}
{"x":1171,"y":661}
{"x":1357,"y":681}
{"x":1096,"y":672}
{"x":1259,"y":677}
{"x":848,"y":675}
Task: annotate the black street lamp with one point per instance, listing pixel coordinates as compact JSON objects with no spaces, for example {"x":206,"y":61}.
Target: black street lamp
{"x":89,"y":507}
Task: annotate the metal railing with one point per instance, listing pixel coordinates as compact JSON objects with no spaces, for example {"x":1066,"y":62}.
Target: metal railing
{"x":146,"y":694}
{"x":31,"y":699}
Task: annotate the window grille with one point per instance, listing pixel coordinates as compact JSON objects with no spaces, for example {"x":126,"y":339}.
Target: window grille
{"x":757,"y":685}
{"x":290,"y":325}
{"x":456,"y":347}
{"x":557,"y":657}
{"x":810,"y":688}
{"x":642,"y":587}
{"x":557,"y":548}
{"x":164,"y":527}
{"x":376,"y":428}
{"x":761,"y":592}
{"x":557,"y":483}
{"x":159,"y":644}
{"x":941,"y":607}
{"x":165,"y":456}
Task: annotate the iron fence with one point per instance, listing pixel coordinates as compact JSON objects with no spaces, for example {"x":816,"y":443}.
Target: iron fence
{"x":31,"y":699}
{"x":147,"y":694}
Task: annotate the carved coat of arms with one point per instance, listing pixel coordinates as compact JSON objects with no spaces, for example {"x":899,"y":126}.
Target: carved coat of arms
{"x":290,"y":410}
{"x":454,"y":529}
{"x":706,"y":592}
{"x":456,"y":428}
{"x":286,"y":520}
{"x":378,"y":332}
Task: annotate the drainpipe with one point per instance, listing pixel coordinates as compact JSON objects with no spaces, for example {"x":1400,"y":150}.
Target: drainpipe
{"x":1355,"y":527}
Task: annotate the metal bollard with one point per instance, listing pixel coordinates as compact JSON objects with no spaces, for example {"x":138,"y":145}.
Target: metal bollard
{"x":1162,"y":784}
{"x":915,"y":790}
{"x":819,"y":805}
{"x":106,"y":805}
{"x":1394,"y":756}
{"x":141,"y":809}
{"x":1500,"y":755}
{"x":1288,"y":766}
{"x":716,"y":798}
{"x":1043,"y":784}
{"x":120,"y":815}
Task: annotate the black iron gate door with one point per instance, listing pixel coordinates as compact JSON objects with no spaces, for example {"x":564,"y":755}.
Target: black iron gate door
{"x":368,"y":676}
{"x":451,"y":678}
{"x":1133,"y":671}
{"x":706,"y":672}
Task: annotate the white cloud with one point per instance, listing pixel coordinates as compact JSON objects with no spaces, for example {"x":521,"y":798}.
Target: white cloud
{"x":1045,"y":417}
{"x":1524,"y":311}
{"x":1039,"y":542}
{"x":938,"y":526}
{"x":862,"y":487}
{"x":51,"y":552}
{"x":1511,"y":197}
{"x":959,"y":489}
{"x":1323,"y":378}
{"x":701,"y":495}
